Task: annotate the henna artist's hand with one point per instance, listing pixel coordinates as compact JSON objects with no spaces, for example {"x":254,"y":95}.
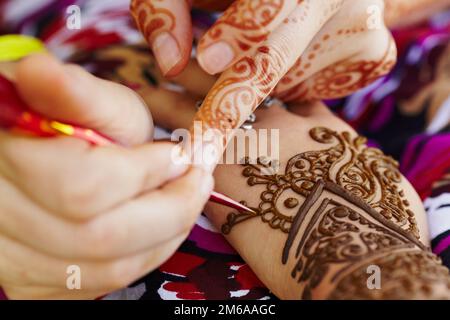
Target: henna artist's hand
{"x":111,"y":211}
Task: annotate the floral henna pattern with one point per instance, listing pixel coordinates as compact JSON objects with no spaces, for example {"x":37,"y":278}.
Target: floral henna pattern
{"x":150,"y":19}
{"x":231,"y":100}
{"x":336,"y":236}
{"x":250,"y":80}
{"x":363,"y":172}
{"x":347,"y":212}
{"x":338,"y":80}
{"x":249,"y":23}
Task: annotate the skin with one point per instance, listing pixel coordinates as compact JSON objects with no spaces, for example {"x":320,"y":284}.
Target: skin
{"x":264,"y":257}
{"x":267,"y":42}
{"x":305,"y":50}
{"x":173,"y":17}
{"x":64,"y":207}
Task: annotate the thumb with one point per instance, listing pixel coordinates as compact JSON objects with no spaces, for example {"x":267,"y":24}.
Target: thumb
{"x":167,"y":27}
{"x":68,"y":93}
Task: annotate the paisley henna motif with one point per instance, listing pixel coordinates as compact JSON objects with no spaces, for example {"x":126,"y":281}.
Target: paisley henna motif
{"x":247,"y":21}
{"x":150,"y":19}
{"x":231,"y":101}
{"x":363,"y":172}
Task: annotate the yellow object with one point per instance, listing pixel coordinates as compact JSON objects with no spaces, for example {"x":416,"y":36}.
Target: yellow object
{"x":14,"y":47}
{"x":62,"y":128}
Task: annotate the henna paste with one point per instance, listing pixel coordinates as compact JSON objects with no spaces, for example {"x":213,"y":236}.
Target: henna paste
{"x":340,"y":79}
{"x":362,"y":171}
{"x":246,"y":23}
{"x":352,"y":215}
{"x":231,"y":100}
{"x":405,"y":275}
{"x":150,"y":19}
{"x":241,"y":88}
{"x":317,"y":76}
{"x":337,"y":236}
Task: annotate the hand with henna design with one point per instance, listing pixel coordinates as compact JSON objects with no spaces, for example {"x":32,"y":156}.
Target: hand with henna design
{"x":334,"y":208}
{"x":302,"y":48}
{"x":297,"y":50}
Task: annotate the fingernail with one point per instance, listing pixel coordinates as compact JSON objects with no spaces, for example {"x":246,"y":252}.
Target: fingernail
{"x":207,"y":184}
{"x":179,"y":162}
{"x":216,"y":57}
{"x":177,"y":170}
{"x":206,"y":157}
{"x":166,"y":51}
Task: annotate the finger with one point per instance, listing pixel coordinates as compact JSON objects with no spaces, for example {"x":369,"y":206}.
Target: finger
{"x":46,"y":293}
{"x":195,"y":80}
{"x":75,"y":181}
{"x":243,"y":87}
{"x":170,"y":109}
{"x":136,"y":226}
{"x":8,"y":70}
{"x":153,"y":218}
{"x":344,"y":77}
{"x":166,"y":25}
{"x":68,"y":93}
{"x":239,"y":31}
{"x":26,"y":267}
{"x":332,"y":67}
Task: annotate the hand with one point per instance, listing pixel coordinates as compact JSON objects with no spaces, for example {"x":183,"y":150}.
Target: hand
{"x":296,"y":50}
{"x":341,"y":243}
{"x":113,"y":212}
{"x":316,"y":41}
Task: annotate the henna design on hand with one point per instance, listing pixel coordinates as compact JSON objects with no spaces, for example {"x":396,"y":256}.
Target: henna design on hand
{"x":338,"y":80}
{"x":247,"y":21}
{"x":252,"y":78}
{"x":337,"y":236}
{"x":363,"y":172}
{"x":309,"y":79}
{"x":150,"y":19}
{"x":405,"y":275}
{"x":233,"y":99}
{"x":349,"y":213}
